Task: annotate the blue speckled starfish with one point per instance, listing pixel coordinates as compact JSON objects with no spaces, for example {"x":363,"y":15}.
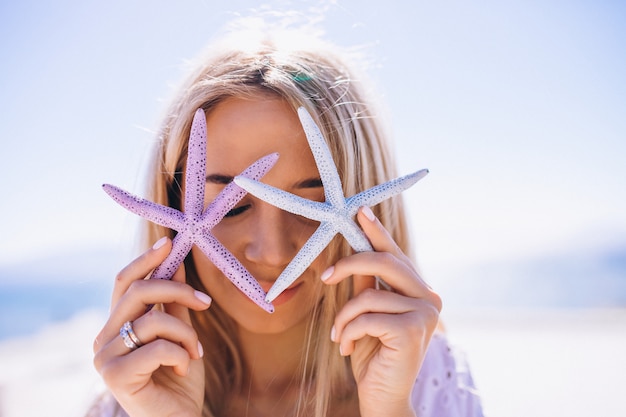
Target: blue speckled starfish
{"x":193,"y":225}
{"x":336,"y":214}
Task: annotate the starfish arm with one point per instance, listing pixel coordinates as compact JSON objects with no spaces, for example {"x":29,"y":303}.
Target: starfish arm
{"x":156,"y":213}
{"x":233,"y":270}
{"x":195,"y":172}
{"x":333,"y":190}
{"x":292,"y":203}
{"x":384,"y":191}
{"x":303,"y":259}
{"x":181,"y":245}
{"x":232,"y":193}
{"x":354,"y":235}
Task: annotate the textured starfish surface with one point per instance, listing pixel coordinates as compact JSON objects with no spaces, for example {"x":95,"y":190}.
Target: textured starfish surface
{"x":336,"y":214}
{"x":194,"y":225}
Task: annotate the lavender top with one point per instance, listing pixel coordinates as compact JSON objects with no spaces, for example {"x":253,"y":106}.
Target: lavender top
{"x":444,"y":386}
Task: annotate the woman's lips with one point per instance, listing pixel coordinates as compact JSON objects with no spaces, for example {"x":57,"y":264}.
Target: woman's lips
{"x":284,"y":296}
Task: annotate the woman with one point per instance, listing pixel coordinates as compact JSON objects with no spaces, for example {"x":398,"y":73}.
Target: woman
{"x":334,"y":346}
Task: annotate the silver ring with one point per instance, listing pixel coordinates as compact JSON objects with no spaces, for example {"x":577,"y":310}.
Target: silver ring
{"x":129,"y":337}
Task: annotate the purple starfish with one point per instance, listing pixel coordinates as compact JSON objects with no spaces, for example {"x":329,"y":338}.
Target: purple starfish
{"x":193,"y":225}
{"x":336,"y":214}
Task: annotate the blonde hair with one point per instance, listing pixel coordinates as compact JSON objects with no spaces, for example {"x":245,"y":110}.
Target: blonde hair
{"x":307,"y":72}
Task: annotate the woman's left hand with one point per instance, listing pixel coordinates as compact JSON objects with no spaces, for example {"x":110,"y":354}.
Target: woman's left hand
{"x":386,"y":333}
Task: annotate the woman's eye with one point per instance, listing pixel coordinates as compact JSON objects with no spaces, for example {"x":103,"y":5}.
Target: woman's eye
{"x":237,"y":210}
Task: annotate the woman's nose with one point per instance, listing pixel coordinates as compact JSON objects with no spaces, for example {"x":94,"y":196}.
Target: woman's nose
{"x":273,"y":238}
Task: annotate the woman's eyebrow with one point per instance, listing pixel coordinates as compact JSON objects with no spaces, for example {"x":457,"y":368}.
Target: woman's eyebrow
{"x":219,"y":179}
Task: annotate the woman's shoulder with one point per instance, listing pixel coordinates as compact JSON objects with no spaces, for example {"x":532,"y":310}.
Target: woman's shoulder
{"x":444,"y":386}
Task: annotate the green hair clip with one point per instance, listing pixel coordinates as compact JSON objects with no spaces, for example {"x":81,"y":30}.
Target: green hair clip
{"x":301,"y":77}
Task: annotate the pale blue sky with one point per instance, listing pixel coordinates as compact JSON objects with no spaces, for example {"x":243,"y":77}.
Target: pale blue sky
{"x":517,"y":108}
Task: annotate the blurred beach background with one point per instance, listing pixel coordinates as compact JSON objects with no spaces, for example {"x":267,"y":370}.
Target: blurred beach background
{"x":517,"y":108}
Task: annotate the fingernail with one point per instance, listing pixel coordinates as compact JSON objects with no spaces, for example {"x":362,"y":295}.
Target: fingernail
{"x":200,"y":349}
{"x":326,"y":274}
{"x":203,"y":297}
{"x":333,"y":333}
{"x":368,"y":213}
{"x":341,"y":351}
{"x":159,"y":243}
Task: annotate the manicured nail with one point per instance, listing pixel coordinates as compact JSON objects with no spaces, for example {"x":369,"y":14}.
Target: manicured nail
{"x":159,"y":243}
{"x":341,"y":351}
{"x":368,"y":213}
{"x":200,"y":349}
{"x":203,"y":297}
{"x":333,"y":333}
{"x":326,"y":274}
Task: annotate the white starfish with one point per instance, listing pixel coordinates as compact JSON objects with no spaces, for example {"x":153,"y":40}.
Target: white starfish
{"x":336,"y":214}
{"x":193,"y":225}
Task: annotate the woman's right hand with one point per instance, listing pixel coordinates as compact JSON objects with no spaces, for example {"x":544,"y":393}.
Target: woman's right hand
{"x":165,"y":375}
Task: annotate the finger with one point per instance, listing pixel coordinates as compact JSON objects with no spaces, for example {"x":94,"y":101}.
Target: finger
{"x":135,"y":369}
{"x":159,"y":325}
{"x":379,"y":237}
{"x":395,"y":272}
{"x":405,"y":332}
{"x":140,"y":268}
{"x":375,"y":325}
{"x":178,"y":310}
{"x":143,"y":293}
{"x":374,"y":301}
{"x":154,"y":325}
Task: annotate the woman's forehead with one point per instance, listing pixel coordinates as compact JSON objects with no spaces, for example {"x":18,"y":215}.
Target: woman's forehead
{"x":240,"y":131}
